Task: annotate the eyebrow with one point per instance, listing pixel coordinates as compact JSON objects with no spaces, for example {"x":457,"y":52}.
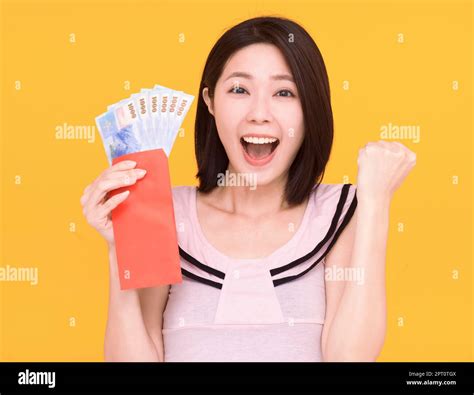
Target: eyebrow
{"x":250,"y":77}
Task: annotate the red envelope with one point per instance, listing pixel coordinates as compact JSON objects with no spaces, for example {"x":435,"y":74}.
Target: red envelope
{"x":144,"y":226}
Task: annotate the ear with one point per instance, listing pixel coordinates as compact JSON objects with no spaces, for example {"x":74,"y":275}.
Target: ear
{"x":207,"y":99}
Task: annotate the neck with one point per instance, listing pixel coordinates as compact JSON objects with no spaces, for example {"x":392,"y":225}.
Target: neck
{"x":254,"y":202}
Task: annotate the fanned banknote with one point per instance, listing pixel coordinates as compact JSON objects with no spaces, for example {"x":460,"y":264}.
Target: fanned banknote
{"x":150,"y":119}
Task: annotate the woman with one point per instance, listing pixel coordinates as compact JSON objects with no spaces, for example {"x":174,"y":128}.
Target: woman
{"x":257,"y":258}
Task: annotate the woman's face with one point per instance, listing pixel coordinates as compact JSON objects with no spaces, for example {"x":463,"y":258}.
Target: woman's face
{"x":258,"y":113}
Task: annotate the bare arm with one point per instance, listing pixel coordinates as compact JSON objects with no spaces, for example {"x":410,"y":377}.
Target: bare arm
{"x":153,"y":303}
{"x":126,"y":336}
{"x":355,"y":324}
{"x":134,"y":323}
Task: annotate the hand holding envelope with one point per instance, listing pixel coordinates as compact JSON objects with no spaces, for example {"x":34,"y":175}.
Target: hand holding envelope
{"x":143,"y":128}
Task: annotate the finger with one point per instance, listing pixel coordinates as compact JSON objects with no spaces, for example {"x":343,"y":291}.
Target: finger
{"x":111,"y":203}
{"x":397,"y":149}
{"x":83,"y":199}
{"x":123,"y":165}
{"x":85,"y":194}
{"x":113,"y":182}
{"x":390,"y":145}
{"x":86,"y":189}
{"x":112,"y":170}
{"x":384,"y":143}
{"x":133,"y":173}
{"x":105,"y":186}
{"x":401,"y":146}
{"x":393,"y":146}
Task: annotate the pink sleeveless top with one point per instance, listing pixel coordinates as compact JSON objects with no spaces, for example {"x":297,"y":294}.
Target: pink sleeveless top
{"x":269,"y":309}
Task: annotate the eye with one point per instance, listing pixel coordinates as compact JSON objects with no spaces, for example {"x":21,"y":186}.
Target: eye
{"x":288,"y":93}
{"x":237,"y":89}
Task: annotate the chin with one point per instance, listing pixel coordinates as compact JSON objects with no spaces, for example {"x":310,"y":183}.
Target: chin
{"x":258,"y":176}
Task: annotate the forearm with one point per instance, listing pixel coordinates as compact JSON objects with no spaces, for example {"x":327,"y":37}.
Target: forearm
{"x":357,"y":332}
{"x":126,"y":337}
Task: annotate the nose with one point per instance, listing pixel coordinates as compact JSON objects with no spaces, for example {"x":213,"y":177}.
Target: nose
{"x":259,"y":111}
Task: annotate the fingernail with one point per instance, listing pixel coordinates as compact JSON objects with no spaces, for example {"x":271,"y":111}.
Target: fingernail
{"x":141,"y":172}
{"x":131,"y":163}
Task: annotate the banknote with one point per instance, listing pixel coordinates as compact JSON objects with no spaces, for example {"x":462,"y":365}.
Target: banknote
{"x":117,"y":140}
{"x":182,"y":108}
{"x":107,"y":128}
{"x":150,"y":119}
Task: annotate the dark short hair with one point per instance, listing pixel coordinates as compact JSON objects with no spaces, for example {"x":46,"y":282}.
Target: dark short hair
{"x":309,"y":72}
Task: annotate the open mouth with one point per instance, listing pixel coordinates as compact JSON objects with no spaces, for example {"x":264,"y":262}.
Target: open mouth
{"x":259,"y":148}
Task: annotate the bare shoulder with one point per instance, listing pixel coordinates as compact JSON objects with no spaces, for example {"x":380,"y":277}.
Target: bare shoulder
{"x":341,"y":251}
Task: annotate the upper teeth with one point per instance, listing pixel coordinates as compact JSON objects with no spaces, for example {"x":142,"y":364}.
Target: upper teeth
{"x":259,"y":140}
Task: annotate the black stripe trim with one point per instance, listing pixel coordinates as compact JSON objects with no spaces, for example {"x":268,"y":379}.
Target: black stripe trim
{"x":332,"y":228}
{"x":195,"y":262}
{"x":345,"y":221}
{"x":201,"y":279}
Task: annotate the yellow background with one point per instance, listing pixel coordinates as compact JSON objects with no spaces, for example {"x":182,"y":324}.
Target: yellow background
{"x":406,"y":83}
